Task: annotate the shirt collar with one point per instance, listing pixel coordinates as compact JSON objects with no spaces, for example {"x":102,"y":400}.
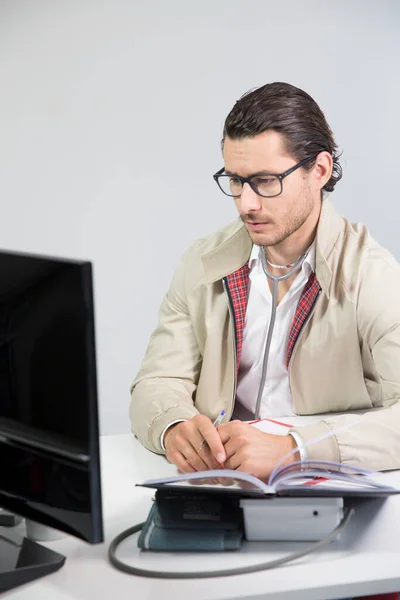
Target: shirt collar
{"x":308,"y":265}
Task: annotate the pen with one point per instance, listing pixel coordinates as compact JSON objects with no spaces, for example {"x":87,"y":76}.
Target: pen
{"x":219,"y":418}
{"x":215,"y":423}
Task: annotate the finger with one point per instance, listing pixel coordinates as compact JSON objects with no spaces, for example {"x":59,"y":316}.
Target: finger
{"x":176,"y":457}
{"x":230,"y":430}
{"x":234,"y":460}
{"x":192,"y":457}
{"x":179,"y":460}
{"x":211,"y":436}
{"x":224,"y":435}
{"x":190,"y":443}
{"x":184,"y":442}
{"x":205,"y":453}
{"x":200,"y":445}
{"x":231,"y":448}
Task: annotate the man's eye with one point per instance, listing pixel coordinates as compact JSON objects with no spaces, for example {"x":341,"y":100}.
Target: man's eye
{"x":265,"y":180}
{"x":234,"y":181}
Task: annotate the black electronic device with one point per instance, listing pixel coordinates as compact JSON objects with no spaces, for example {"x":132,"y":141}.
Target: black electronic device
{"x":49,"y":436}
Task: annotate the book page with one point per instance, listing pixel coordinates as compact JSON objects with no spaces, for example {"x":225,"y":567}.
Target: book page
{"x":219,"y":478}
{"x":336,"y":484}
{"x":326,"y":474}
{"x":325,"y":466}
{"x":273,"y":426}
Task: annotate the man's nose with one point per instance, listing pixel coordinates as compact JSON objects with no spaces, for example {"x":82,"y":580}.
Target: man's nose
{"x":249,"y":201}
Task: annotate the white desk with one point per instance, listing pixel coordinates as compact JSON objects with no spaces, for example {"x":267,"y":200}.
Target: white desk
{"x":365,"y":561}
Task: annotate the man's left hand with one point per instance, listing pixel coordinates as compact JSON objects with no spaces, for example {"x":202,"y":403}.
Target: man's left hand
{"x":253,"y":451}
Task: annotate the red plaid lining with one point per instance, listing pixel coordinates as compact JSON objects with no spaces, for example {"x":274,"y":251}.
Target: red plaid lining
{"x":238,"y":283}
{"x":306,"y":302}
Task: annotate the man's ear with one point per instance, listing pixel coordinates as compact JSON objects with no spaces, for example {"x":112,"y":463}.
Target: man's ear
{"x":322,"y":169}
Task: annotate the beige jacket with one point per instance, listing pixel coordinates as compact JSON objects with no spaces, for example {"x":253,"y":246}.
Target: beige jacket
{"x":346,"y":358}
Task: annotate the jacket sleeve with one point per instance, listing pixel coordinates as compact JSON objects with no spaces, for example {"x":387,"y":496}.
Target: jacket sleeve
{"x":373,"y":439}
{"x":164,"y":388}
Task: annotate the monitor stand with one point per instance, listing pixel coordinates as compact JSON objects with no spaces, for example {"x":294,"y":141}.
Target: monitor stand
{"x":22,"y":560}
{"x":8,"y":519}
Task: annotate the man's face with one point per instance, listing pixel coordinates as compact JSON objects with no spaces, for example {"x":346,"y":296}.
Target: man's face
{"x":269,"y":221}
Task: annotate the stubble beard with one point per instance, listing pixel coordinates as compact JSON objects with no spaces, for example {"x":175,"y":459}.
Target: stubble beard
{"x":289,"y":228}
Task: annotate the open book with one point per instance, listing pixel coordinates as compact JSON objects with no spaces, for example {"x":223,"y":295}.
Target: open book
{"x":307,"y":478}
{"x":301,"y":478}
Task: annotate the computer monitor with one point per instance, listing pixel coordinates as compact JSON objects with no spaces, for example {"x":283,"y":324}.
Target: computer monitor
{"x":49,"y":436}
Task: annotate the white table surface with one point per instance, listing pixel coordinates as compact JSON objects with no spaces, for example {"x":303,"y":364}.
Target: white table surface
{"x":365,"y":560}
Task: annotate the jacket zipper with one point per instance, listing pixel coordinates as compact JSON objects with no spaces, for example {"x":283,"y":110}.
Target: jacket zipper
{"x":299,"y":335}
{"x":232,"y":315}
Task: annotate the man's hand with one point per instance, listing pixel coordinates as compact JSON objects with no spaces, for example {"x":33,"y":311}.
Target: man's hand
{"x":253,"y":451}
{"x":184,"y":445}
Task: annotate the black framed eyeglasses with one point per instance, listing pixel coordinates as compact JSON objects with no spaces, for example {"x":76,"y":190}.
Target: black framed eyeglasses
{"x":266,"y":185}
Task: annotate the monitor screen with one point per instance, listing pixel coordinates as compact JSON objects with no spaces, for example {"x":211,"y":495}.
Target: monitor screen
{"x":49,"y":451}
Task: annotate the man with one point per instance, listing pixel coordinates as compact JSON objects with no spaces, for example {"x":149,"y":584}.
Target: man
{"x":335,"y":341}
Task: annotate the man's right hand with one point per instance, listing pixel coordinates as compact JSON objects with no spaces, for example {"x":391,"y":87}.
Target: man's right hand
{"x":184,"y":447}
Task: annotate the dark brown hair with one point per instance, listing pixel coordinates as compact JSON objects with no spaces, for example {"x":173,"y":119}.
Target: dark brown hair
{"x":291,"y":112}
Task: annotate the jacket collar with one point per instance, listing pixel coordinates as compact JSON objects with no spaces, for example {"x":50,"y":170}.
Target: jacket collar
{"x":234,"y":252}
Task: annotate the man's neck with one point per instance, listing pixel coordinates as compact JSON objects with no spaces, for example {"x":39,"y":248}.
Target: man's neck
{"x":287,"y":254}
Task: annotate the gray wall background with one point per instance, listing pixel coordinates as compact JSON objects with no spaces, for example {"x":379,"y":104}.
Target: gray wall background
{"x":111,"y":114}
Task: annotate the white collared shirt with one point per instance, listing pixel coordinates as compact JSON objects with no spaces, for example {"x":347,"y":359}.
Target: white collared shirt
{"x":276,"y":398}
